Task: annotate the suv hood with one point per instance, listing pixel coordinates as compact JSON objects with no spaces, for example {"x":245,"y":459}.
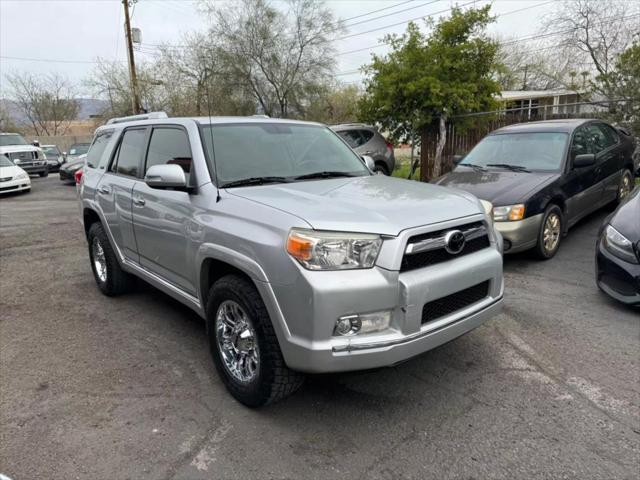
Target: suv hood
{"x":371,"y":204}
{"x":497,"y":186}
{"x":19,"y":148}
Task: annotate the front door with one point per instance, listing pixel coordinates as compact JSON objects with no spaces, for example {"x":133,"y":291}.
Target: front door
{"x":583,"y":186}
{"x":114,"y":192}
{"x":164,"y":219}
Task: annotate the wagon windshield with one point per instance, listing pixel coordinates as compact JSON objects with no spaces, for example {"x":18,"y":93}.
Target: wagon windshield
{"x":540,"y":151}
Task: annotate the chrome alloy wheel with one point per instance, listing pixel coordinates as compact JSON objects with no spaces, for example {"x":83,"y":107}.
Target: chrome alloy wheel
{"x":551,"y":232}
{"x":99,"y":260}
{"x":237,"y":341}
{"x":625,"y":186}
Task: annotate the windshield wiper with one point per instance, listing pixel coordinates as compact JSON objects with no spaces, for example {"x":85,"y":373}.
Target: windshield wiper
{"x":254,"y":181}
{"x":514,"y":168}
{"x":475,"y":167}
{"x":328,"y":174}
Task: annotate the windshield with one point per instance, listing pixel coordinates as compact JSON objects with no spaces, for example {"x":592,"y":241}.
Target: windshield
{"x":5,"y":162}
{"x":53,"y":151}
{"x":278,"y":150}
{"x":533,"y":151}
{"x":79,"y":149}
{"x":12,"y":139}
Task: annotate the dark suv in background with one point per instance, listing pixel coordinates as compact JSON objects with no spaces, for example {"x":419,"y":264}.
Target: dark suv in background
{"x":366,"y":140}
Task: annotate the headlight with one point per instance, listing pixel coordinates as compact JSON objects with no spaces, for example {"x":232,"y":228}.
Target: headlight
{"x":22,"y":175}
{"x":508,"y":213}
{"x":618,"y":245}
{"x":317,"y":250}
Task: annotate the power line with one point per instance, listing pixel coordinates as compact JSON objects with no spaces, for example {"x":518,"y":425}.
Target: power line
{"x":50,"y":60}
{"x":392,"y":13}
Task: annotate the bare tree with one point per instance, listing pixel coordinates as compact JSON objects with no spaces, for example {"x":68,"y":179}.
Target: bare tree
{"x":195,"y":81}
{"x":282,"y":56}
{"x":595,"y":32}
{"x":47,"y":102}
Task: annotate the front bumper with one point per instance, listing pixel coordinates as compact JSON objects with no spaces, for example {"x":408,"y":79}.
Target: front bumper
{"x":67,"y":176}
{"x":310,"y":307}
{"x":15,"y":185}
{"x":34,"y":168}
{"x":617,"y":278}
{"x":520,"y":235}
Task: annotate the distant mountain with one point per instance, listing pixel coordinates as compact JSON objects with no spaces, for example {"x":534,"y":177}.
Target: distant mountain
{"x":89,"y":107}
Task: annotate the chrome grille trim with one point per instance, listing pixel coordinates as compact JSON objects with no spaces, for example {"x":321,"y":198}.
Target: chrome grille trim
{"x":439,"y":241}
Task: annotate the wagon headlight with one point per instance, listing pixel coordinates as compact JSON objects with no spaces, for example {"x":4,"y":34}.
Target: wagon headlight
{"x":319,"y":250}
{"x":508,"y":213}
{"x":22,"y":175}
{"x":618,"y":245}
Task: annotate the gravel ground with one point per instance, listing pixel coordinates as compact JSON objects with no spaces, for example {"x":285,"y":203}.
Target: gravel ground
{"x":99,"y":388}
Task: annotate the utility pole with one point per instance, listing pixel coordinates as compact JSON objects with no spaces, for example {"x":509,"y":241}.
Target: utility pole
{"x":135,"y":100}
{"x":524,"y":80}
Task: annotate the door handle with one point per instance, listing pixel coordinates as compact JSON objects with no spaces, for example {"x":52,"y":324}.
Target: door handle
{"x":140,"y":202}
{"x":104,"y":190}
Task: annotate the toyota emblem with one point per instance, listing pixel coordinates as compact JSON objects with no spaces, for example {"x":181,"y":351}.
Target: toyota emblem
{"x":454,"y":241}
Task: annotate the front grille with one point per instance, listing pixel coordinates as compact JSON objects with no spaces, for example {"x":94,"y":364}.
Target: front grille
{"x":5,"y":179}
{"x":454,"y":302}
{"x":23,"y":156}
{"x":4,"y":189}
{"x":475,"y":241}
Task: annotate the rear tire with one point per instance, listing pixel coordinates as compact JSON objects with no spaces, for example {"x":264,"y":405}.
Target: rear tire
{"x":625,"y":187}
{"x":44,"y":174}
{"x":381,"y":168}
{"x":269,"y":379}
{"x":110,"y":278}
{"x":550,"y":233}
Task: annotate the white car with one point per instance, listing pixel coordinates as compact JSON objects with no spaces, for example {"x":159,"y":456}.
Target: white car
{"x":12,"y":177}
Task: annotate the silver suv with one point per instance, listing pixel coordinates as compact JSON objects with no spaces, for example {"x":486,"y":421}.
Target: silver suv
{"x":281,"y":238}
{"x":366,"y":140}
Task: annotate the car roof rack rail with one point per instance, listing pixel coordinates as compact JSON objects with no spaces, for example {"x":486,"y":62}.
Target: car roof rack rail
{"x":133,"y":118}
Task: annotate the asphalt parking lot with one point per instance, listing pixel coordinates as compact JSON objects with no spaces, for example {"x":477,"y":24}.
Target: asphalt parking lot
{"x":99,"y":388}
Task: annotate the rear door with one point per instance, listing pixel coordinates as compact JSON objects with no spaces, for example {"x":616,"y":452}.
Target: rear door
{"x":162,"y":218}
{"x":582,"y":187}
{"x":114,"y":191}
{"x":610,"y":161}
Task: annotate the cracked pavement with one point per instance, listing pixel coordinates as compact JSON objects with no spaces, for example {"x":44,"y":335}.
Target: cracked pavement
{"x":124,"y":388}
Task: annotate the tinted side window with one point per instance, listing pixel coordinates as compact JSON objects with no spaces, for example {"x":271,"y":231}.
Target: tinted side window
{"x":96,"y":151}
{"x":130,"y":152}
{"x":610,"y":135}
{"x":580,"y":145}
{"x":596,"y":139}
{"x":169,"y":146}
{"x":352,"y":137}
{"x":366,"y":136}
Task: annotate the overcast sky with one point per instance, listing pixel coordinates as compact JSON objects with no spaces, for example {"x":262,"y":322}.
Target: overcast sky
{"x":68,"y":35}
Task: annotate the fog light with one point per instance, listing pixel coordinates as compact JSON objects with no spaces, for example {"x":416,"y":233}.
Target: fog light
{"x":363,"y":323}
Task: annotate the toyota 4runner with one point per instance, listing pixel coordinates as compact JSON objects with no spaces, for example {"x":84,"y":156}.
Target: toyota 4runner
{"x":298,"y":257}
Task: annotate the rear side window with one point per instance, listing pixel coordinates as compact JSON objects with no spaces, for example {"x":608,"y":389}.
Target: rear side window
{"x":366,"y":136}
{"x":96,"y":151}
{"x":130,"y":152}
{"x":596,"y":139}
{"x":352,"y":137}
{"x":169,"y":146}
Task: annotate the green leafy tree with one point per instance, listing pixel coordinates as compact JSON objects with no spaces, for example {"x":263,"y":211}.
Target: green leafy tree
{"x":624,"y":84}
{"x":428,"y":78}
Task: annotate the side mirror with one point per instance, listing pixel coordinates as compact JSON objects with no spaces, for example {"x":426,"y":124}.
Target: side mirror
{"x":584,"y":160}
{"x":457,"y":159}
{"x":36,"y":143}
{"x":368,"y":161}
{"x":165,"y":176}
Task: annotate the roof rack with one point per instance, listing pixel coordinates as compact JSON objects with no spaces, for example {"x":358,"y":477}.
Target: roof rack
{"x":133,"y":118}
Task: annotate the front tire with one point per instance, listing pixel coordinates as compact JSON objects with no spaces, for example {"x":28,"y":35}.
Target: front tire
{"x":550,"y":233}
{"x":110,"y":278}
{"x":244,"y":346}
